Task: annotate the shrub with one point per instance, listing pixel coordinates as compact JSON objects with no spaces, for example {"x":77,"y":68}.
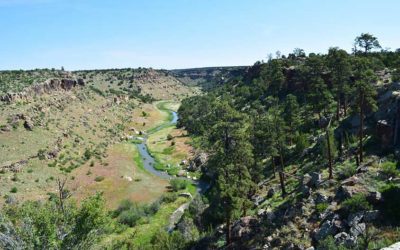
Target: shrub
{"x":169,"y":197}
{"x":129,"y":213}
{"x":389,"y":169}
{"x":88,"y":154}
{"x":169,"y":137}
{"x":178,"y":184}
{"x":356,"y":203}
{"x":15,"y":177}
{"x":321,"y":207}
{"x":329,"y":244}
{"x":14,"y":190}
{"x":130,"y":217}
{"x":347,"y":170}
{"x":41,"y":154}
{"x":99,"y":178}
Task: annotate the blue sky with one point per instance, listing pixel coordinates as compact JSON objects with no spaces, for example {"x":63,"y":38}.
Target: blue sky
{"x":88,"y":34}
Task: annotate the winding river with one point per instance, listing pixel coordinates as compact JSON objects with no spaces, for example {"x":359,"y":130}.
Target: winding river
{"x":149,"y":161}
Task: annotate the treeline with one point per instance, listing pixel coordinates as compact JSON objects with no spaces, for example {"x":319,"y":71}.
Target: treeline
{"x":258,"y":124}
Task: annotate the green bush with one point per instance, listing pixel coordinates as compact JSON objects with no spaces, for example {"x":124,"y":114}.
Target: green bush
{"x":41,"y":154}
{"x":88,"y":154}
{"x":321,"y":207}
{"x":131,"y":216}
{"x":347,"y":170}
{"x":129,"y":213}
{"x":389,"y":169}
{"x":356,"y":203}
{"x":99,"y":178}
{"x":178,"y":184}
{"x":14,"y":190}
{"x":329,"y":244}
{"x":169,"y":197}
{"x":169,"y":137}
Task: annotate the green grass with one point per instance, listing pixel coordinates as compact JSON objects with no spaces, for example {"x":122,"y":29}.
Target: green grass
{"x":168,"y":151}
{"x":146,"y":231}
{"x":138,"y":160}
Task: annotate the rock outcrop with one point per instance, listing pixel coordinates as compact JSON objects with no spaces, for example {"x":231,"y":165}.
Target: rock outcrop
{"x":43,"y":88}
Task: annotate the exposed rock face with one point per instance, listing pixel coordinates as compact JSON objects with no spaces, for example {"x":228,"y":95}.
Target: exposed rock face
{"x":176,"y":216}
{"x":14,"y":167}
{"x":384,"y":131}
{"x":43,"y":88}
{"x":326,"y":229}
{"x":198,"y":162}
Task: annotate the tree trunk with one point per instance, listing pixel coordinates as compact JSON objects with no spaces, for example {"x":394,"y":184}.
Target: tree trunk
{"x":282,"y":177}
{"x":338,"y":108}
{"x":273,"y":165}
{"x":341,"y":144}
{"x":360,"y":147}
{"x":328,"y":141}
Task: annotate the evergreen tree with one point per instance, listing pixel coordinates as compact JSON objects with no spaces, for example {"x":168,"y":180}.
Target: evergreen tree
{"x":291,"y":115}
{"x":339,"y":66}
{"x":365,"y":102}
{"x":232,"y":157}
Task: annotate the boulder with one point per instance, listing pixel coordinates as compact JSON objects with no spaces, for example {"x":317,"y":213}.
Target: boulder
{"x":374,"y":197}
{"x":271,"y":192}
{"x":345,"y":239}
{"x":261,"y":212}
{"x":186,"y":195}
{"x":355,"y":219}
{"x":358,"y":229}
{"x":351,"y":181}
{"x":181,"y":173}
{"x":198,"y":162}
{"x":372,"y":215}
{"x":321,"y":198}
{"x":243,"y":227}
{"x":327,"y":228}
{"x":258,"y":199}
{"x":305,"y":184}
{"x":306,"y":180}
{"x":28,"y":124}
{"x":345,"y":192}
{"x":316,"y":179}
{"x":385,"y":133}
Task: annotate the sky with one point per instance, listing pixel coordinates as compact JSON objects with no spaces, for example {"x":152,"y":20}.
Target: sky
{"x":170,"y":34}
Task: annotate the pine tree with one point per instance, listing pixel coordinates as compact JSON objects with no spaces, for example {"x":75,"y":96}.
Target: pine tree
{"x":232,"y":157}
{"x":365,"y":102}
{"x":339,"y":66}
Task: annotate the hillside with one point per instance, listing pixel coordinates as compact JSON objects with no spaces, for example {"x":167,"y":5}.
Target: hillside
{"x":55,"y":124}
{"x":293,"y":165}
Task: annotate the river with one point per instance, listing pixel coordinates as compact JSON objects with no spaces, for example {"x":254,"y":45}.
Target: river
{"x":149,"y":161}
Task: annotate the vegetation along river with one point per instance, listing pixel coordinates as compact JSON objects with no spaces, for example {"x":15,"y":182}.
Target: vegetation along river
{"x":149,"y":161}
